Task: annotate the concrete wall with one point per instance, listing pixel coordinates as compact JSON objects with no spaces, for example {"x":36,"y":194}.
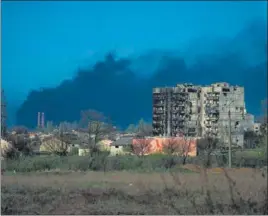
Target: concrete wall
{"x":117,"y":150}
{"x":83,"y":152}
{"x":153,"y":145}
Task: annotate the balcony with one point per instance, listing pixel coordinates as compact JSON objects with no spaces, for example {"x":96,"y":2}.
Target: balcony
{"x":159,"y":111}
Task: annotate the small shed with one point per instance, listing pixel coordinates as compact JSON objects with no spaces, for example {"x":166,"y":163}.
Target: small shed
{"x":118,"y":147}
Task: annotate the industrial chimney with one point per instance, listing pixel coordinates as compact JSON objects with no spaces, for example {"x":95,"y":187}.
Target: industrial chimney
{"x":43,"y":120}
{"x":38,"y":120}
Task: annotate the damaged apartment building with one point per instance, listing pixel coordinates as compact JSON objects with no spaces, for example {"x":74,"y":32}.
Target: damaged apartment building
{"x":200,"y":111}
{"x":176,"y":110}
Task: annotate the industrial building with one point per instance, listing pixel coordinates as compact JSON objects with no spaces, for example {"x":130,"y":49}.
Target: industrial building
{"x":195,"y":111}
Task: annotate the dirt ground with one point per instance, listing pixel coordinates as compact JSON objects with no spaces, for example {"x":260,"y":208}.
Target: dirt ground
{"x":128,"y":192}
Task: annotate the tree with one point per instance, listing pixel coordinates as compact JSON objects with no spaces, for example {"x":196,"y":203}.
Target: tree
{"x":251,"y":139}
{"x":264,"y":147}
{"x":144,"y":129}
{"x":263,"y":118}
{"x":20,"y":130}
{"x":97,"y":126}
{"x":186,"y":141}
{"x":264,"y":127}
{"x":206,"y":147}
{"x":20,"y":140}
{"x":131,"y":129}
{"x":171,"y":146}
{"x":59,"y":143}
{"x":56,"y":145}
{"x":141,"y":146}
{"x":186,"y":146}
{"x":3,"y":116}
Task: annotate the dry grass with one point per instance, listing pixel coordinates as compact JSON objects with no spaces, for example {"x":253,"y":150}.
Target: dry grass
{"x":234,"y":192}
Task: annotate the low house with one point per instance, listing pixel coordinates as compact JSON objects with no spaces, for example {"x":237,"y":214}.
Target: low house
{"x":5,"y":147}
{"x":121,"y":145}
{"x":53,"y":144}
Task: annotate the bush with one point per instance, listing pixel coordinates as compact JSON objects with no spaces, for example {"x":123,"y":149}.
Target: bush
{"x":29,"y":164}
{"x":101,"y":161}
{"x":74,"y":151}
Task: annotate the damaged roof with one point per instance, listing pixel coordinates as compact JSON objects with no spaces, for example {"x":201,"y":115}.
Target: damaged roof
{"x":122,"y":141}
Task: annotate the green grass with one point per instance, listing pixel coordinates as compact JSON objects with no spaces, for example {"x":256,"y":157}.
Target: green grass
{"x":101,"y":163}
{"x":156,"y":163}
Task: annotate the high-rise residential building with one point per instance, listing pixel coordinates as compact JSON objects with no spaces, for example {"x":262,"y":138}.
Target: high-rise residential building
{"x":223,"y":112}
{"x":176,"y":110}
{"x":200,"y":111}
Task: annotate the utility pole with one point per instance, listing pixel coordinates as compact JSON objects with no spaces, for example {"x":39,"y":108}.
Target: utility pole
{"x":230,"y":135}
{"x":3,"y":115}
{"x":230,"y":138}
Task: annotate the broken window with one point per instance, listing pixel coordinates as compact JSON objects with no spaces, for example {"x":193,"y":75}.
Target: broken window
{"x":192,"y":90}
{"x":225,"y":89}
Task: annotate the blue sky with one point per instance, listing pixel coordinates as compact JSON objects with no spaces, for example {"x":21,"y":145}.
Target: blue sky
{"x":45,"y":42}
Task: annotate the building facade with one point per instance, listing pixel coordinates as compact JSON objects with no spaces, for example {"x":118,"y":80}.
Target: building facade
{"x":216,"y":110}
{"x":176,"y":110}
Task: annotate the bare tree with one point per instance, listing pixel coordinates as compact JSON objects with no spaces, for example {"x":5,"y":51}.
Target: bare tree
{"x":144,"y":129}
{"x":131,"y":129}
{"x":207,"y":146}
{"x":186,"y":141}
{"x":141,"y":146}
{"x":186,"y":147}
{"x":97,"y":126}
{"x":20,"y":130}
{"x":171,"y":146}
{"x":56,"y":145}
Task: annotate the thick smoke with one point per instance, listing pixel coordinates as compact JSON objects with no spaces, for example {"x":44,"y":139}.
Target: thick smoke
{"x":117,"y":87}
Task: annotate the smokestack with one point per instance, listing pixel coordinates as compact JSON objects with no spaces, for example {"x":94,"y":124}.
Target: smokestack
{"x":43,"y":120}
{"x":38,"y":119}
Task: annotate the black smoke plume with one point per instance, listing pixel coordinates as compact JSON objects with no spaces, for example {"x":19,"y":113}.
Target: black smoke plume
{"x":115,"y":87}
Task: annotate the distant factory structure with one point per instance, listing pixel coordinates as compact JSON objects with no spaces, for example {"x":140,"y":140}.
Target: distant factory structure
{"x":40,"y":120}
{"x":217,"y":110}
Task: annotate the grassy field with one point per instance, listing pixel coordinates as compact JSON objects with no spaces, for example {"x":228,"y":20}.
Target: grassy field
{"x":214,"y":191}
